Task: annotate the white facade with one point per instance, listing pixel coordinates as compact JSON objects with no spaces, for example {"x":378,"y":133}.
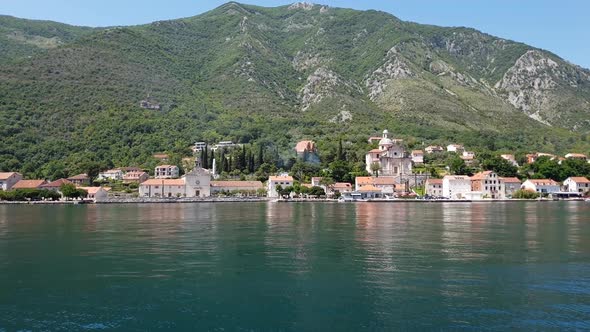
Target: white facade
{"x":456,"y":186}
{"x":434,"y":187}
{"x":9,"y":179}
{"x":489,"y":184}
{"x":112,"y":174}
{"x":455,"y":148}
{"x":544,"y":186}
{"x":274,"y":181}
{"x":418,"y":156}
{"x":196,"y":183}
{"x":577,"y":184}
{"x":391,"y":158}
{"x":166,"y":172}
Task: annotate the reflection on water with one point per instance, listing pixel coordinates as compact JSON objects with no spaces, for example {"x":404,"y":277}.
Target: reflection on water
{"x":303,"y":266}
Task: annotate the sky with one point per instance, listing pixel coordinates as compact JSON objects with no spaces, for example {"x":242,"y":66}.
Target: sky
{"x":562,"y":27}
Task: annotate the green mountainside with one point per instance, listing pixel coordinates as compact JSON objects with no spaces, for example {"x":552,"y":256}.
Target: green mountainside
{"x":273,"y":76}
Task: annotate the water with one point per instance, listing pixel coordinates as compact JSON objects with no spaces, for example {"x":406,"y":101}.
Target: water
{"x":294,"y":267}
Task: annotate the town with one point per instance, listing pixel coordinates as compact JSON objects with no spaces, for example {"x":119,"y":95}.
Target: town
{"x":389,"y":172}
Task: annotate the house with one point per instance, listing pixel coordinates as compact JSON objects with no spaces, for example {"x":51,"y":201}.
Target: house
{"x":280,"y":180}
{"x":576,"y":156}
{"x":390,"y":158}
{"x":417,"y":156}
{"x":225,"y":145}
{"x":161,"y":156}
{"x":369,"y":191}
{"x":511,"y":185}
{"x":307,"y":151}
{"x":199,"y":146}
{"x":386,"y":184}
{"x":55,"y":185}
{"x":339,"y":188}
{"x":112,"y":174}
{"x":245,"y":188}
{"x":510,"y":158}
{"x":130,"y":169}
{"x":458,"y":148}
{"x":166,"y":172}
{"x":434,"y":187}
{"x":80,"y":179}
{"x":196,"y":183}
{"x":96,"y":194}
{"x":135,"y":177}
{"x":489,"y":184}
{"x":456,"y":186}
{"x":9,"y":179}
{"x":316,"y":181}
{"x":434,"y":149}
{"x":577,"y":184}
{"x":29,"y":184}
{"x":544,"y":186}
{"x":468,"y":157}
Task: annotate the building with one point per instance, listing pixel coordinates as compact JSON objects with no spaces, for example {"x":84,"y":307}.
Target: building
{"x":307,"y":151}
{"x":135,"y":177}
{"x":196,"y":183}
{"x":386,"y":184}
{"x":80,"y":179}
{"x":418,"y":156}
{"x":369,"y":191}
{"x":576,"y":156}
{"x":434,"y":149}
{"x":199,"y":146}
{"x":29,"y":184}
{"x":489,"y":184}
{"x":161,"y":156}
{"x":111,"y":175}
{"x":244,"y":188}
{"x":456,"y":186}
{"x":577,"y":184}
{"x":390,"y":158}
{"x":225,"y":145}
{"x":434,"y":187}
{"x":9,"y":179}
{"x":280,"y":180}
{"x":458,"y":148}
{"x":55,"y":185}
{"x":510,"y":158}
{"x":543,"y":186}
{"x":96,"y":194}
{"x":511,"y":185}
{"x":339,"y":188}
{"x":166,"y":172}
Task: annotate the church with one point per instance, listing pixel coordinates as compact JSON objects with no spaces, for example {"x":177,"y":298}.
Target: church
{"x":390,"y":158}
{"x":196,"y":183}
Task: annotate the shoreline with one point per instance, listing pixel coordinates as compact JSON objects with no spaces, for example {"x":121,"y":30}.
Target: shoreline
{"x":267,"y":199}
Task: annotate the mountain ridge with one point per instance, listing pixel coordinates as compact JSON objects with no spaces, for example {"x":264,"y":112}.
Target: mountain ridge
{"x":241,"y":72}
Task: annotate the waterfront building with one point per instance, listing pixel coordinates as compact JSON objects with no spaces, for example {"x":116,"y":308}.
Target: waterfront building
{"x":80,"y":179}
{"x":29,"y":184}
{"x":577,"y":184}
{"x":489,"y":184}
{"x":511,"y":185}
{"x":196,"y":183}
{"x":418,"y":156}
{"x":135,"y":177}
{"x":370,"y":191}
{"x":280,"y":180}
{"x":244,"y":188}
{"x":386,"y":184}
{"x":390,"y":158}
{"x":55,"y":185}
{"x":456,"y":186}
{"x":307,"y":151}
{"x":166,"y":172}
{"x":434,"y":187}
{"x":9,"y":179}
{"x":115,"y":174}
{"x":96,"y":194}
{"x":543,"y":186}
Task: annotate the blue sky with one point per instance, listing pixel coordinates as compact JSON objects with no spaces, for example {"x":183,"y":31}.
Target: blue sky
{"x":562,"y":27}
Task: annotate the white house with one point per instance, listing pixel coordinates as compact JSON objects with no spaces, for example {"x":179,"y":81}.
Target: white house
{"x":418,"y":156}
{"x":456,"y":186}
{"x":455,"y":148}
{"x":386,"y":184}
{"x":577,"y":184}
{"x":576,"y":156}
{"x":166,"y":172}
{"x":274,"y":181}
{"x":544,"y":186}
{"x":9,"y":179}
{"x":111,"y":174}
{"x":434,"y":187}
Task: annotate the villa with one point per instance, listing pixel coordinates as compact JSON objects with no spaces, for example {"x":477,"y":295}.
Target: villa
{"x":577,"y":184}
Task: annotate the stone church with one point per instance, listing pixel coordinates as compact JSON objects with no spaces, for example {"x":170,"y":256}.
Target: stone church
{"x":391,"y":158}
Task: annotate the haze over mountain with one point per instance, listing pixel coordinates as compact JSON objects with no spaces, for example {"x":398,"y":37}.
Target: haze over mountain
{"x":274,"y":76}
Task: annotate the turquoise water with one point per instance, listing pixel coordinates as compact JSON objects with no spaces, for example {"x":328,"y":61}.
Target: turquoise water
{"x":295,"y":267}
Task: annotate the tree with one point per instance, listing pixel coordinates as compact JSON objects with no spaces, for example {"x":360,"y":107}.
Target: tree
{"x":327,"y":182}
{"x":375,"y":168}
{"x":317,"y":191}
{"x":457,"y":166}
{"x":69,"y":190}
{"x":499,"y":165}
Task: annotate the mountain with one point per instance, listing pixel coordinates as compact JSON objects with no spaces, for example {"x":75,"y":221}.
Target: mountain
{"x":274,"y":76}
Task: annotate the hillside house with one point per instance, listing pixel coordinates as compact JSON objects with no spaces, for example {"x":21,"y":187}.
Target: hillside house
{"x":135,"y":177}
{"x":111,"y":175}
{"x":307,"y":151}
{"x":457,"y":148}
{"x":434,"y":149}
{"x":417,"y":156}
{"x":80,"y":179}
{"x":166,"y":172}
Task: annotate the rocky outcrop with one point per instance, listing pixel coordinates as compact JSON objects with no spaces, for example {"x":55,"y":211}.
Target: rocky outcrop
{"x":321,"y":84}
{"x":394,"y":67}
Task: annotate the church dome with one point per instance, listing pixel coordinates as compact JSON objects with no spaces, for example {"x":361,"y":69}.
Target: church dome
{"x":385,"y":140}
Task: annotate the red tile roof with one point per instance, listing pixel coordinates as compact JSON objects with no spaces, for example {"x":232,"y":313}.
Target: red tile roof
{"x":237,"y":184}
{"x":56,"y":183}
{"x":305,"y":146}
{"x":510,"y":180}
{"x":6,"y":175}
{"x":28,"y":184}
{"x":580,"y":179}
{"x":163,"y":182}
